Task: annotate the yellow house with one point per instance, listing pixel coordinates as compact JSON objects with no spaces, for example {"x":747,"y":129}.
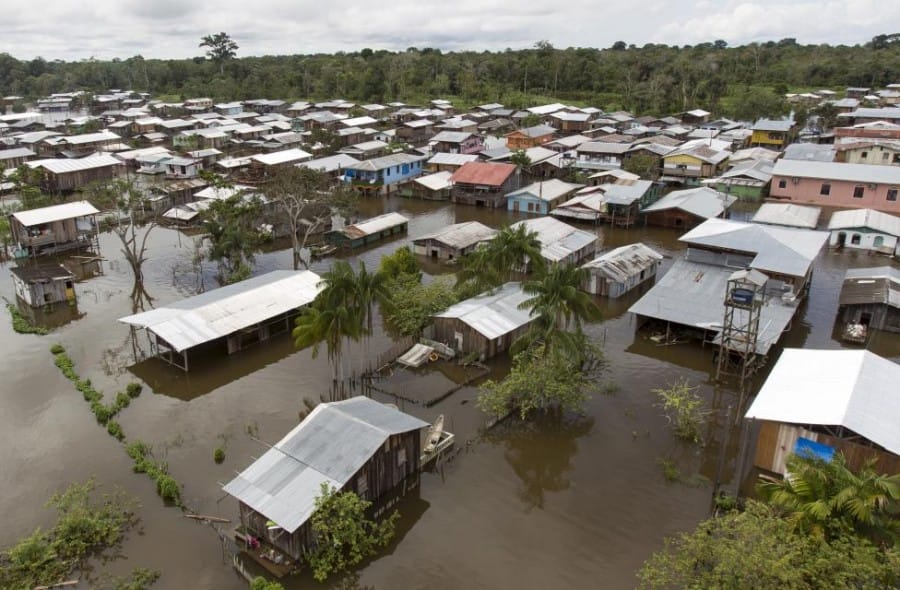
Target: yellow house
{"x":772,"y":134}
{"x":694,"y":162}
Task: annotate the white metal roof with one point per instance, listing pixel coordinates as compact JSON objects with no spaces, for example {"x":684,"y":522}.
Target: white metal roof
{"x":461,"y":235}
{"x":60,"y":166}
{"x":789,"y":214}
{"x":862,"y":173}
{"x":852,"y":388}
{"x":374,"y":224}
{"x":625,"y":261}
{"x":329,"y":446}
{"x":867,"y":218}
{"x":281,"y":157}
{"x":54,"y":213}
{"x":330,"y":163}
{"x":558,"y":240}
{"x":547,"y":190}
{"x":443,"y":158}
{"x":783,"y":250}
{"x":702,"y":202}
{"x":223,"y":311}
{"x":494,"y":313}
{"x":221,"y":193}
{"x":437,"y":181}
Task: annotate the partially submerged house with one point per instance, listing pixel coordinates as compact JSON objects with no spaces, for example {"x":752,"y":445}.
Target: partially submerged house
{"x":356,"y":445}
{"x":774,"y":134}
{"x":747,"y":180}
{"x":688,"y":208}
{"x":54,"y":229}
{"x":541,"y":197}
{"x":231,"y":317}
{"x":45,"y":284}
{"x":431,"y":187}
{"x":528,"y":137}
{"x":819,"y":402}
{"x":560,"y":242}
{"x":59,"y":175}
{"x":870,"y":297}
{"x":835,"y":184}
{"x":486,"y":324}
{"x":380,"y":174}
{"x":366,"y":232}
{"x":694,"y":161}
{"x":483,"y":184}
{"x":865,"y":229}
{"x":614,"y":273}
{"x":453,"y":241}
{"x":788,"y":215}
{"x":617,"y":202}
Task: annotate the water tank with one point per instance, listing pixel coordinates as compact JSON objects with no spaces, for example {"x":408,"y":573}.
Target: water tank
{"x":742,"y":296}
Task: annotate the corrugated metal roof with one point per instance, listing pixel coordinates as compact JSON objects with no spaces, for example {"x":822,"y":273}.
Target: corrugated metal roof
{"x":223,"y":311}
{"x":221,"y":193}
{"x":494,"y":313}
{"x":374,"y":225}
{"x":443,"y":158}
{"x":865,"y":218}
{"x":773,"y":125}
{"x":871,"y":285}
{"x":789,"y":214}
{"x":624,"y":262}
{"x":693,"y":294}
{"x":16,"y":153}
{"x":54,"y":213}
{"x":383,"y":162}
{"x":862,"y":173}
{"x":852,"y":388}
{"x":558,"y":240}
{"x":547,"y":190}
{"x":59,"y":166}
{"x":330,"y":163}
{"x":483,"y":173}
{"x":329,"y":446}
{"x":435,"y":182}
{"x":702,"y":202}
{"x":281,"y":157}
{"x":461,"y":235}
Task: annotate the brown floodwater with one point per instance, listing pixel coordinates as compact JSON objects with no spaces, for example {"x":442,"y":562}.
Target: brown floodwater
{"x":560,"y":502}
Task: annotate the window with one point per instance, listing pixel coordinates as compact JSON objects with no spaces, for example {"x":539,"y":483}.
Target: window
{"x":782,"y":183}
{"x":885,"y":156}
{"x":855,"y":239}
{"x":858,"y":192}
{"x":864,"y":155}
{"x":825,"y":190}
{"x":892,"y":194}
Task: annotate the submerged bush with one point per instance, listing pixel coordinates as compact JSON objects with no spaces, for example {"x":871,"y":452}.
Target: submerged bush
{"x":133,"y":389}
{"x":219,"y":455}
{"x":57,"y":349}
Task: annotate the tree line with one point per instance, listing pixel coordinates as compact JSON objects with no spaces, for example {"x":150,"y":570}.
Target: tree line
{"x":653,"y":79}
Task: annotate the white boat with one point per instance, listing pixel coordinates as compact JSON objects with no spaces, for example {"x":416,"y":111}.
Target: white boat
{"x":434,"y":435}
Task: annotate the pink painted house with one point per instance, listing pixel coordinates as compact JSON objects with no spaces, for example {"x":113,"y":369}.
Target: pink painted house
{"x":835,"y":184}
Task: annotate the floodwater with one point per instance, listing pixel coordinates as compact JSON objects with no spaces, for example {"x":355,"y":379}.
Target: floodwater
{"x":561,"y":502}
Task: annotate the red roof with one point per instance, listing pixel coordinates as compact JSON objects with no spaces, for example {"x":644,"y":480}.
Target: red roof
{"x":483,"y":173}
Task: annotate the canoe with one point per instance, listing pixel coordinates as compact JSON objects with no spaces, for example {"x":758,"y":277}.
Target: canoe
{"x":434,"y":434}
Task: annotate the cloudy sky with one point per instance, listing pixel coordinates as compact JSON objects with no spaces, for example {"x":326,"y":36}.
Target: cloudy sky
{"x":79,"y":29}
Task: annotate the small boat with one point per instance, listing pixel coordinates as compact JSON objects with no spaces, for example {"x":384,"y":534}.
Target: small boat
{"x":434,"y":435}
{"x":323,"y":250}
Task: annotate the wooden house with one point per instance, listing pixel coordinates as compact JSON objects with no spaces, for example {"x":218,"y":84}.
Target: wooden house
{"x":42,"y":285}
{"x":381,"y":174}
{"x":49,"y":230}
{"x":695,"y":160}
{"x":600,"y":154}
{"x":15,"y":157}
{"x":457,"y":142}
{"x":486,"y":324}
{"x":821,"y":402}
{"x":541,"y":197}
{"x":871,"y":297}
{"x":453,"y":241}
{"x":230,"y":318}
{"x":357,"y":445}
{"x":772,"y":134}
{"x":369,"y":231}
{"x":614,"y":273}
{"x":430,"y":187}
{"x":866,"y":152}
{"x":77,"y":146}
{"x":483,"y":184}
{"x":617,"y":203}
{"x":178,"y":168}
{"x":865,"y":229}
{"x":688,"y":208}
{"x":528,"y":137}
{"x":441,"y":161}
{"x":571,"y":123}
{"x":695,"y":117}
{"x":416,"y":132}
{"x":560,"y":242}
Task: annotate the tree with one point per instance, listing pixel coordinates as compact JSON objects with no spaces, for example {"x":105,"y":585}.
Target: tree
{"x":520,"y":159}
{"x":619,"y":46}
{"x":305,"y":197}
{"x":260,"y":583}
{"x":411,"y":304}
{"x":232,"y":226}
{"x":819,"y":496}
{"x":221,"y":48}
{"x":752,"y":103}
{"x":511,"y":251}
{"x":344,"y":536}
{"x":402,"y":261}
{"x":644,"y":165}
{"x":683,"y":408}
{"x":757,"y":548}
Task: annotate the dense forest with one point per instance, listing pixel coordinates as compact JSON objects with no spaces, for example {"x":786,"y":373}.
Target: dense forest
{"x":652,"y":79}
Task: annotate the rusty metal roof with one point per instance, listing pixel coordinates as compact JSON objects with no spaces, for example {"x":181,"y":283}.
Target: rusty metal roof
{"x":483,"y":173}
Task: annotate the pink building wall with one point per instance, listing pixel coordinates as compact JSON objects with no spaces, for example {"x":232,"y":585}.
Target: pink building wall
{"x":808,"y":190}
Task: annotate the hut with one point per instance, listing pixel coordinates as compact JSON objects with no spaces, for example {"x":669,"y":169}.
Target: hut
{"x":454,"y":241}
{"x":486,"y":324}
{"x":42,"y":285}
{"x":237,"y":315}
{"x":369,"y":231}
{"x":870,"y":297}
{"x":54,"y":229}
{"x":560,"y":242}
{"x":67,"y":175}
{"x":827,"y":401}
{"x":688,"y":208}
{"x":357,"y":445}
{"x":618,"y":271}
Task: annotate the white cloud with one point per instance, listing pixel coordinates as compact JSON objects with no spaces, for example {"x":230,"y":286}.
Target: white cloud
{"x":64,"y":29}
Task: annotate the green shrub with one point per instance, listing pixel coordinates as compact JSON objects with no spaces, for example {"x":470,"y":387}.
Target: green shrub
{"x":134,"y":389}
{"x":21,"y":324}
{"x":57,"y":349}
{"x":122,"y":401}
{"x":102,"y":412}
{"x":115,"y":429}
{"x":219,"y":455}
{"x":137,"y":450}
{"x":168,"y":488}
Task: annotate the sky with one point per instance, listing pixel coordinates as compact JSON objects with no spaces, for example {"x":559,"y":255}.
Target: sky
{"x":104,"y":29}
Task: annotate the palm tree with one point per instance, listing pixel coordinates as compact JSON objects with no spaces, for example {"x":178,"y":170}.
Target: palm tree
{"x":370,"y":288}
{"x":560,"y":308}
{"x":820,"y":494}
{"x":517,"y":249}
{"x":479,"y":272}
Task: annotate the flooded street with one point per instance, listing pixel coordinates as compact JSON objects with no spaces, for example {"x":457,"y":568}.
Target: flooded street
{"x":566,"y":502}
